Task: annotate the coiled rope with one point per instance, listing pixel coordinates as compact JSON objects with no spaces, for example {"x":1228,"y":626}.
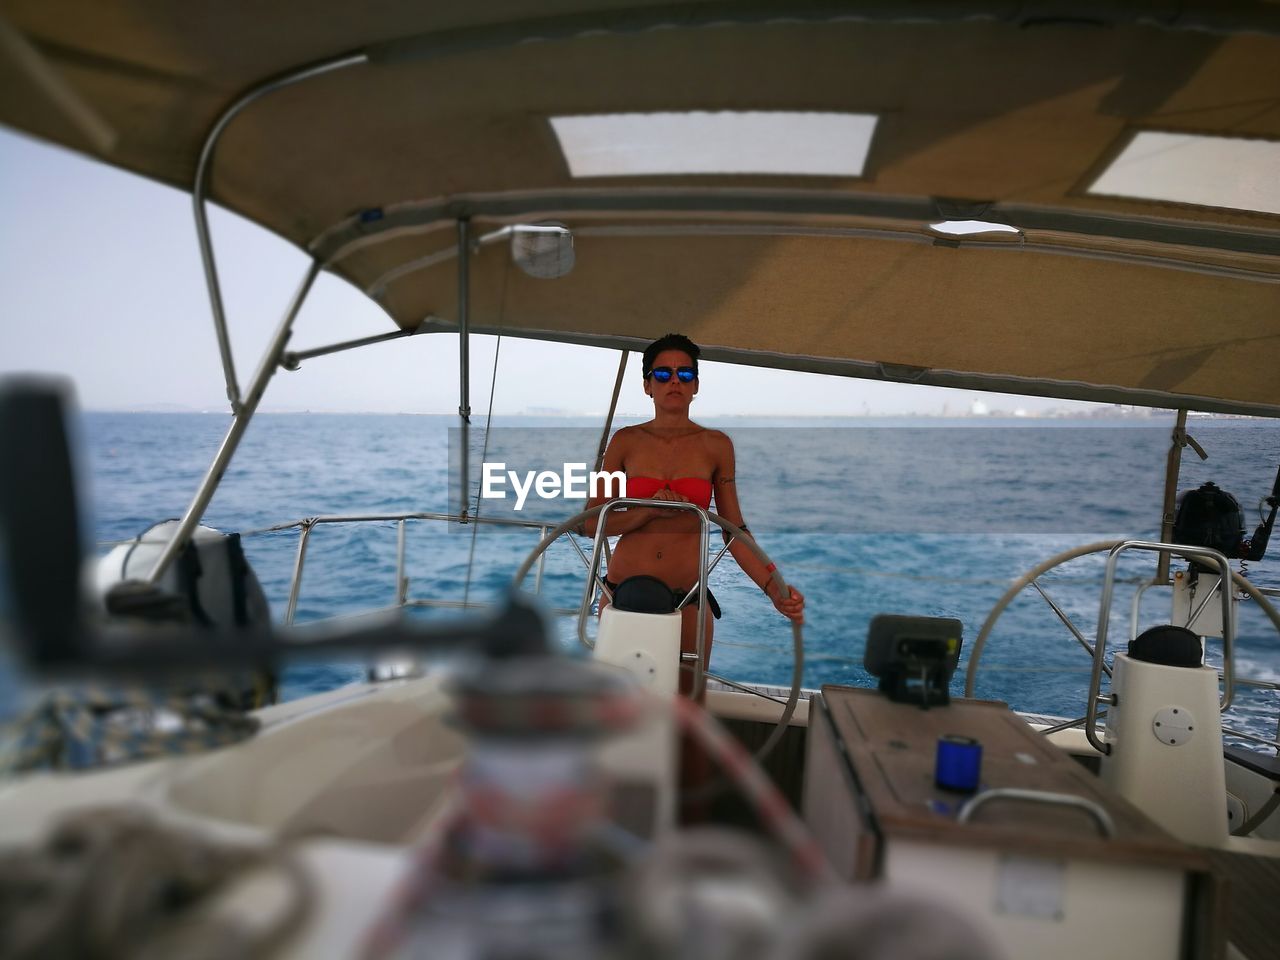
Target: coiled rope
{"x":114,"y":884}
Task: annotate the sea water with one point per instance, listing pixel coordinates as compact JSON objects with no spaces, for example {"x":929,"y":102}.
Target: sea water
{"x":864,"y":515}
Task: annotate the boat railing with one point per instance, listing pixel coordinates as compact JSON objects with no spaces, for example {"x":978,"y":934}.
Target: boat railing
{"x":306,"y":525}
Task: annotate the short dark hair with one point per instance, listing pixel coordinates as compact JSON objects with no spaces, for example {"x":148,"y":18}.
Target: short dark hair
{"x":670,"y":341}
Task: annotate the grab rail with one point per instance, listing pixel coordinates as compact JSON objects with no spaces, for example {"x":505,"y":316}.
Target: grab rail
{"x":593,"y":566}
{"x":1100,"y":816}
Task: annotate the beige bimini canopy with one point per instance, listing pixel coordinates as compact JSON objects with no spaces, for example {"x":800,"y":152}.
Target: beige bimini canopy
{"x":1133,"y":147}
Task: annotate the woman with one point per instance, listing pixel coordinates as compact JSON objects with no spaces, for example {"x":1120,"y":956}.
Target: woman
{"x":671,"y":458}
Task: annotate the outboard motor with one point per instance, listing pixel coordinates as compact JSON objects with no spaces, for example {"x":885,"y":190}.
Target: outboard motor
{"x":1210,"y":517}
{"x":210,"y":583}
{"x":209,"y":586}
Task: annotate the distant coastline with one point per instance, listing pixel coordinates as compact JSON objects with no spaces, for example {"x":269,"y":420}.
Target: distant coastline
{"x":1141,"y":414}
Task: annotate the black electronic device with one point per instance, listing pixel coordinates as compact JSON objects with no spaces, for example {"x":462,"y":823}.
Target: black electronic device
{"x":1256,"y":546}
{"x":40,"y":547}
{"x":1208,"y":516}
{"x":914,"y":657}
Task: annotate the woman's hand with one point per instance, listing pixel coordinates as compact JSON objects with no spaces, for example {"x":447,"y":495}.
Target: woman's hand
{"x":791,"y":607}
{"x":667,"y":494}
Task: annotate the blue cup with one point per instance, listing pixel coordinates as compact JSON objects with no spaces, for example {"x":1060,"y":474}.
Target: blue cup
{"x":959,"y":763}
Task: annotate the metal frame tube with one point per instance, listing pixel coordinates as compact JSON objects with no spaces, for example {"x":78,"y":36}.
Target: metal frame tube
{"x":431,"y":604}
{"x":1104,"y":615}
{"x":1208,"y":597}
{"x":464,"y":359}
{"x":975,"y":652}
{"x":699,"y":680}
{"x":542,"y":563}
{"x":1173,"y":467}
{"x":530,"y":524}
{"x":378,"y":288}
{"x":867,"y":370}
{"x":402,"y":582}
{"x":295,"y":586}
{"x":1066,"y":725}
{"x":201,"y":187}
{"x":1252,"y":738}
{"x":1066,"y":621}
{"x":574,"y":543}
{"x":239,"y":423}
{"x":710,"y":567}
{"x":1135,"y":610}
{"x":746,"y":689}
{"x":613,"y":406}
{"x":292,"y":359}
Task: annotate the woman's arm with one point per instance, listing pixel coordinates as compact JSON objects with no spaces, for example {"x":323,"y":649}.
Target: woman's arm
{"x":725,"y":491}
{"x":619,"y":522}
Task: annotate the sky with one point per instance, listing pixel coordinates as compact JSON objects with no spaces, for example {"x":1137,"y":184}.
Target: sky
{"x":101,"y":280}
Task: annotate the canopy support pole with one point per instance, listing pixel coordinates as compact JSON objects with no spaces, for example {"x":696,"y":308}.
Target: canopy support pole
{"x":464,"y":361}
{"x":1172,"y":469}
{"x":613,"y":405}
{"x":201,"y":188}
{"x":239,"y":423}
{"x":292,"y":359}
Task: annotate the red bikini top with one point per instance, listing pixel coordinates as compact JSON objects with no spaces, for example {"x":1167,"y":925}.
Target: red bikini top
{"x":695,"y":488}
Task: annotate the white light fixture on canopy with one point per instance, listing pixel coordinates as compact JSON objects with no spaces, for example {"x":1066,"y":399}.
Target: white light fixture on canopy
{"x":965,"y":228}
{"x":779,"y":143}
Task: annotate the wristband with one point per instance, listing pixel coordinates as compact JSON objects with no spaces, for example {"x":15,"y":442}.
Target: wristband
{"x":771,"y":568}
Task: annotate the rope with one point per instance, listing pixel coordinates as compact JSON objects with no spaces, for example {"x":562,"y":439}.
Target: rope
{"x":484,"y":452}
{"x":113,"y":884}
{"x":86,"y":727}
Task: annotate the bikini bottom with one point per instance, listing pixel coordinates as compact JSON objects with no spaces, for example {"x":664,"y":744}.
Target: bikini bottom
{"x":646,"y":594}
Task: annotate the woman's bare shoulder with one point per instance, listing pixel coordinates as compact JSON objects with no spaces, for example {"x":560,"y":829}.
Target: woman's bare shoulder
{"x":623,"y":434}
{"x":718,"y":440}
{"x":628,"y":439}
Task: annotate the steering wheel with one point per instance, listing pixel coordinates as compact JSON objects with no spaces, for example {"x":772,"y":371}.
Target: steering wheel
{"x":1114,"y":548}
{"x":699,"y":674}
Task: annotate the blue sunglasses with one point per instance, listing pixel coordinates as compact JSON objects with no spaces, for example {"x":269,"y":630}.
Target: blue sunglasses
{"x":664,"y":374}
